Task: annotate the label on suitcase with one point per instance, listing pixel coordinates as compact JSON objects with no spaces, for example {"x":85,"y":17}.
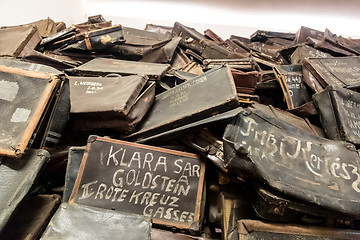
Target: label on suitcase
{"x":24,"y":97}
{"x":339,"y":111}
{"x":190,"y":101}
{"x":163,"y":184}
{"x":316,"y":170}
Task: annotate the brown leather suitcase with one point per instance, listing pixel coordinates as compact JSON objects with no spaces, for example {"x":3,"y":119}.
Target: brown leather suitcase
{"x":111,"y":102}
{"x":18,"y":41}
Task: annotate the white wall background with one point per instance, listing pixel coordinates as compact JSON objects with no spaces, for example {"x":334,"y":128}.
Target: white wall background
{"x":225,"y":17}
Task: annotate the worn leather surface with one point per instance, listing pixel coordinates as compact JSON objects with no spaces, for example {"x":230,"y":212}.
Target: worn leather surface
{"x":16,"y":177}
{"x":190,"y":101}
{"x":73,"y":221}
{"x":17,"y":41}
{"x":294,"y":162}
{"x":31,"y":217}
{"x":339,"y":113}
{"x":104,"y":66}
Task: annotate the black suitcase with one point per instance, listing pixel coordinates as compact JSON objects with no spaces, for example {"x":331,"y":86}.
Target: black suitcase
{"x":321,"y":172}
{"x":163,"y":184}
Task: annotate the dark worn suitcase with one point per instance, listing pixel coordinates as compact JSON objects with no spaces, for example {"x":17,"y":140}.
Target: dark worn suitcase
{"x":303,"y":51}
{"x":74,"y":160}
{"x":46,"y":27}
{"x":321,"y":172}
{"x":163,"y":184}
{"x":304,"y":32}
{"x":190,"y":101}
{"x":163,"y":54}
{"x":343,"y":72}
{"x":274,"y":206}
{"x":31,"y":217}
{"x":139,"y":43}
{"x":93,"y":23}
{"x":17,"y":177}
{"x":244,"y":64}
{"x":74,"y":221}
{"x":111,"y":102}
{"x":262,"y":35}
{"x":292,"y":85}
{"x":25,"y":96}
{"x":254,"y":230}
{"x":18,"y":41}
{"x":105,"y":66}
{"x":98,"y":39}
{"x":158,"y":28}
{"x":339,"y":113}
{"x":198,"y":43}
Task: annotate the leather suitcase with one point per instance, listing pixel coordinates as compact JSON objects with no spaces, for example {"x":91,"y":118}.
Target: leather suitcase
{"x":31,"y":217}
{"x":17,"y":63}
{"x":190,"y":101}
{"x":163,"y":184}
{"x":18,"y":41}
{"x":262,"y":35}
{"x":304,"y":51}
{"x":253,"y":229}
{"x":73,"y":221}
{"x":98,"y":39}
{"x":74,"y":160}
{"x":244,"y":64}
{"x":198,"y":43}
{"x":139,"y":43}
{"x":294,"y":162}
{"x":292,"y":85}
{"x":304,"y":32}
{"x":25,"y":97}
{"x":339,"y":113}
{"x":158,"y":28}
{"x":343,"y":72}
{"x":276,"y":207}
{"x":104,"y":66}
{"x":111,"y":102}
{"x":17,"y":177}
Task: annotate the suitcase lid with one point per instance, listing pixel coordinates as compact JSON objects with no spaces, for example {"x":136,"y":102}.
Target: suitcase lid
{"x":24,"y":96}
{"x":121,"y":175}
{"x":190,"y":101}
{"x":104,"y":66}
{"x":109,"y":94}
{"x":17,"y":176}
{"x":341,"y":71}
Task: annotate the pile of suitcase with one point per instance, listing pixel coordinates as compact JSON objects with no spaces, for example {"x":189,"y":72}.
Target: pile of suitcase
{"x":111,"y":132}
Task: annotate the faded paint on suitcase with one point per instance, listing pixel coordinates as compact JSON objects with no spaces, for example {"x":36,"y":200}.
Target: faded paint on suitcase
{"x":24,"y":96}
{"x":319,"y":171}
{"x":163,"y":184}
